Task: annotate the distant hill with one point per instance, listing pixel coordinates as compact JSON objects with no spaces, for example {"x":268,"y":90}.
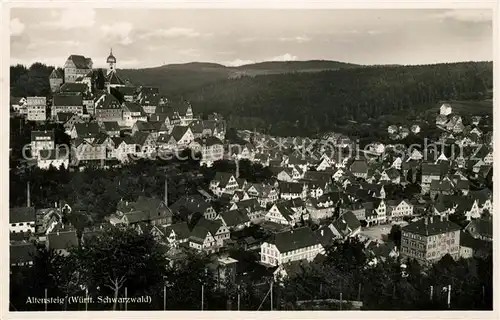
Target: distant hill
{"x":180,"y":78}
{"x":304,"y":103}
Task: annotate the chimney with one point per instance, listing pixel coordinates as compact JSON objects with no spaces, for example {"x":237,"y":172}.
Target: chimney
{"x":28,"y":204}
{"x":55,"y":204}
{"x":237,"y":168}
{"x":165,"y":199}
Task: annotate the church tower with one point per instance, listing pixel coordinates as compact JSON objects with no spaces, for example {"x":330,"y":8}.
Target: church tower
{"x":111,"y":62}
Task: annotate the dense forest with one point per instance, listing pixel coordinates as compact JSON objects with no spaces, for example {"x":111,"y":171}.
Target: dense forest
{"x":32,"y":81}
{"x":174,"y":79}
{"x":310,"y":103}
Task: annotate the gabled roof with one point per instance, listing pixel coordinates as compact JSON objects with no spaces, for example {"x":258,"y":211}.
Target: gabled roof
{"x":178,"y":132}
{"x":55,"y":74}
{"x":62,"y":238}
{"x":291,"y":187}
{"x":359,"y":166}
{"x":483,"y":227}
{"x":181,"y":107}
{"x":235,"y":217}
{"x":133,"y":107}
{"x":73,"y":87}
{"x":107,"y":101}
{"x":294,"y":239}
{"x":66,"y":100}
{"x":80,"y":61}
{"x":211,"y":225}
{"x":181,"y":230}
{"x":251,"y":205}
{"x":346,"y":224}
{"x":222,"y":178}
{"x":64,"y":116}
{"x":22,"y":214}
{"x":191,"y":203}
{"x":431,"y":226}
{"x":126,"y":90}
{"x":208,"y":141}
{"x":111,"y":126}
{"x":87,"y":130}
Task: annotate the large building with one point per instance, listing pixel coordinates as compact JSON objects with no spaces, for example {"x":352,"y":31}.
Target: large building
{"x":76,"y":66}
{"x":36,"y":108}
{"x":67,"y":103}
{"x":42,"y":140}
{"x":288,"y":246}
{"x":108,"y":108}
{"x":429,"y":239}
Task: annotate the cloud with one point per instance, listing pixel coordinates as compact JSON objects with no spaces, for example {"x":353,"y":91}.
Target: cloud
{"x":119,"y":32}
{"x":466,"y":15}
{"x":190,"y":52}
{"x":76,"y":17}
{"x":238,"y":62}
{"x":285,"y":57}
{"x":298,"y":39}
{"x":16,"y":27}
{"x":172,"y":33}
{"x":53,"y":43}
{"x":374,"y":32}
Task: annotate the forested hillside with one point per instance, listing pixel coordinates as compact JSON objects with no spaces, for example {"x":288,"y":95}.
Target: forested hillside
{"x":310,"y":103}
{"x":32,"y":81}
{"x":181,"y":78}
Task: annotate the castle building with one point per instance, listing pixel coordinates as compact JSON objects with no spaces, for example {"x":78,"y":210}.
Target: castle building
{"x":75,"y":67}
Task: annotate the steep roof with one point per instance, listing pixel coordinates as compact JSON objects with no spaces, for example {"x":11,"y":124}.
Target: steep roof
{"x":178,"y":132}
{"x":62,"y":239}
{"x":133,"y":107}
{"x":359,"y":166}
{"x":73,"y":87}
{"x":64,"y":116}
{"x":111,"y":126}
{"x":107,"y":101}
{"x":114,"y":79}
{"x":294,"y":239}
{"x":208,"y":141}
{"x":291,"y":187}
{"x":87,"y":130}
{"x":80,"y":61}
{"x":434,"y":226}
{"x":483,"y":227}
{"x":346,"y":223}
{"x":22,"y":214}
{"x":181,"y":230}
{"x":235,"y":217}
{"x":191,"y":203}
{"x":222,"y":178}
{"x":55,"y":74}
{"x":64,"y":100}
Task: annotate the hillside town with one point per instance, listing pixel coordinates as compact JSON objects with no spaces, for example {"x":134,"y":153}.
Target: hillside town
{"x":407,"y":205}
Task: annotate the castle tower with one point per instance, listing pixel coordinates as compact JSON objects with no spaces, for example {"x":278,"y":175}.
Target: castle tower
{"x":111,"y":62}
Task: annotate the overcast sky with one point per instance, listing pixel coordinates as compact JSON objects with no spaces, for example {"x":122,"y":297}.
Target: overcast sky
{"x":153,"y":37}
